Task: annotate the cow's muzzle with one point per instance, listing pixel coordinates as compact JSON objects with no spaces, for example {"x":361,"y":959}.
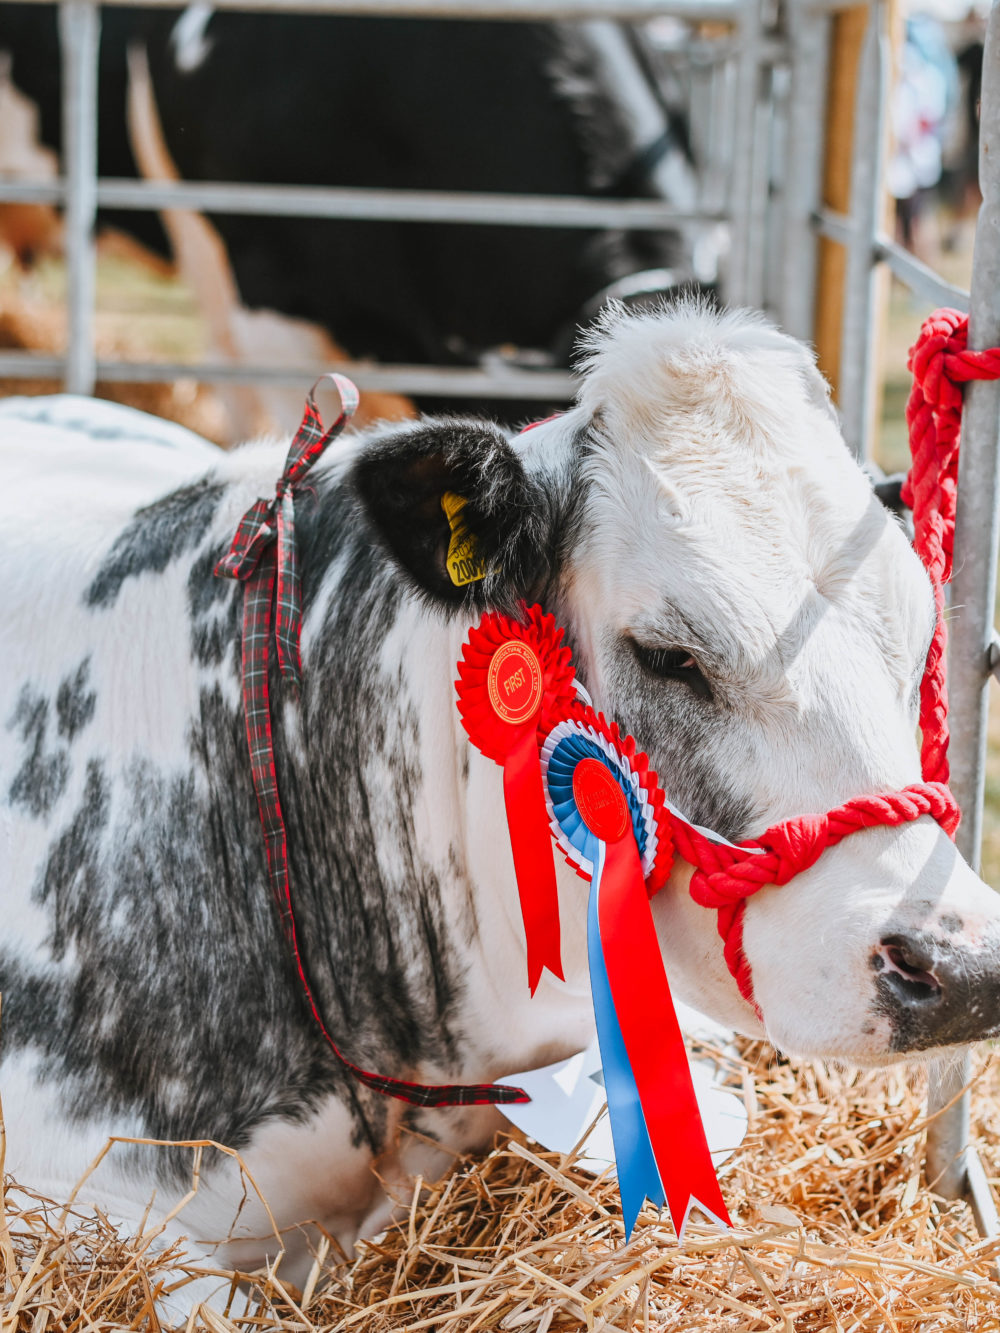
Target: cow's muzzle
{"x":937,"y":992}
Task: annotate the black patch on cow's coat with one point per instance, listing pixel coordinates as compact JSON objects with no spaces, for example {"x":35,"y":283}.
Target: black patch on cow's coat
{"x":170,"y":992}
{"x":75,"y":704}
{"x":401,"y":479}
{"x":70,"y":883}
{"x":215,"y":605}
{"x":157,"y":534}
{"x":43,"y":774}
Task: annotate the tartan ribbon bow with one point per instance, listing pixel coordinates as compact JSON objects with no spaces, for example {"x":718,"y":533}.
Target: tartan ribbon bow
{"x":265,"y":539}
{"x":262,"y":555}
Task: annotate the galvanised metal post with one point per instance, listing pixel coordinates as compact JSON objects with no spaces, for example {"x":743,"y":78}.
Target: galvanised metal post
{"x":951,"y":1167}
{"x":79,"y":31}
{"x":856,"y":391}
{"x":736,"y":286}
{"x":809,"y":60}
{"x":759,"y":212}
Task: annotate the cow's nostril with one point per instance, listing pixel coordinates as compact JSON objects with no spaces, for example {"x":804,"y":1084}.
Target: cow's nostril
{"x":910,"y":970}
{"x":909,"y":967}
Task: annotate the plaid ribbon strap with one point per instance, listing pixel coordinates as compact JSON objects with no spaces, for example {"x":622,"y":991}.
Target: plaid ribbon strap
{"x":263,"y":557}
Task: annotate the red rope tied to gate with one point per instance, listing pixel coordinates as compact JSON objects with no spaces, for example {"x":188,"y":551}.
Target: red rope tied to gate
{"x":726,"y":876}
{"x":941,"y":363}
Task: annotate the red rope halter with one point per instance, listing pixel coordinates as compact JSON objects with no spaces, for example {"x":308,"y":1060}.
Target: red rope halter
{"x":725,"y":877}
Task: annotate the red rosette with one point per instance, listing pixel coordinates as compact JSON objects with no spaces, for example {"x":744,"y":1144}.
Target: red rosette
{"x":513,"y":673}
{"x":514,"y":677}
{"x":589,"y":734}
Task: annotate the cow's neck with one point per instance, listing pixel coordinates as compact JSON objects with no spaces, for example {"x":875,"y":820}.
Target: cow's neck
{"x":399,"y":840}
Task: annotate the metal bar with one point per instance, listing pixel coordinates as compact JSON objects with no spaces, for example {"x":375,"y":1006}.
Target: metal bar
{"x":945,"y":1163}
{"x":546,"y":385}
{"x":736,"y":284}
{"x":977,"y":538}
{"x":79,"y":34}
{"x":829,"y":7}
{"x":920,"y":279}
{"x":980,"y":1195}
{"x":515,"y":210}
{"x":515,"y":10}
{"x":809,"y":60}
{"x":760,"y":184}
{"x":774,"y":203}
{"x":835,"y":225}
{"x":31,"y":365}
{"x":856,"y":391}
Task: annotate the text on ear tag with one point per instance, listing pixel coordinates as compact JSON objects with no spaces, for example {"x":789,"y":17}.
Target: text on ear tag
{"x":464,"y":564}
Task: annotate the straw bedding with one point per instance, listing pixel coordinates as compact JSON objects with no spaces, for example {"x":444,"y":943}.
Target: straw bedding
{"x":835,"y":1230}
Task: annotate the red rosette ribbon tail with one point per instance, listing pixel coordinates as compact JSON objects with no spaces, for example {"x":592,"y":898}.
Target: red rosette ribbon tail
{"x":513,"y":676}
{"x":609,"y":818}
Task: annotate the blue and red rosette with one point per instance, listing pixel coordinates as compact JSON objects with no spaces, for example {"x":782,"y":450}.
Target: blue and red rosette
{"x":570,"y":773}
{"x":608,"y":817}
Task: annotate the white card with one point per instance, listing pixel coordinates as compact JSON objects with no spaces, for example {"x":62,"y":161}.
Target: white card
{"x":567,"y":1097}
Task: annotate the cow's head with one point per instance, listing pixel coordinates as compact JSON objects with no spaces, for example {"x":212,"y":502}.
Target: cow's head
{"x":741,"y":602}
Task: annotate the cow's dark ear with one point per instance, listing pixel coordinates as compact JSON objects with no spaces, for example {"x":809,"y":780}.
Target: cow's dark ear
{"x":454,"y":505}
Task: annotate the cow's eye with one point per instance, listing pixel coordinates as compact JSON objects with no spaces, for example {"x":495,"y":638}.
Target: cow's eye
{"x":673,"y":664}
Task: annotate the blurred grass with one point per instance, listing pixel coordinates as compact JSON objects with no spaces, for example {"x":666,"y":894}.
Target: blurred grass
{"x":140,"y":304}
{"x":142,"y":313}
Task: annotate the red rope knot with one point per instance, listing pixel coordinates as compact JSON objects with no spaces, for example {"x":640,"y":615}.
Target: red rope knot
{"x":942,"y":339}
{"x":725,"y":877}
{"x":263,"y":549}
{"x":795,"y":845}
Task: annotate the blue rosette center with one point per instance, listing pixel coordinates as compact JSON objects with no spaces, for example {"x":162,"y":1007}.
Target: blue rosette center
{"x":562,"y":763}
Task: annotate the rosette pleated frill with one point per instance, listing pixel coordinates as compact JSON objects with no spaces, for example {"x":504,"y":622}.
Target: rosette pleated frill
{"x":515,"y":678}
{"x":607,"y":815}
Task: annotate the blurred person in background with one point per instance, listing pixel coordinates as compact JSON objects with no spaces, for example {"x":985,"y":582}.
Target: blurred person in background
{"x":926,"y":92}
{"x":960,"y":182}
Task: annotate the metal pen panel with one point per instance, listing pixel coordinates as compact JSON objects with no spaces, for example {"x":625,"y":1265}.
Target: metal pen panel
{"x":809,"y":61}
{"x":736,"y":285}
{"x":79,"y":34}
{"x":459,"y":382}
{"x":317,"y":201}
{"x":856,"y":392}
{"x":515,"y":10}
{"x":977,"y":534}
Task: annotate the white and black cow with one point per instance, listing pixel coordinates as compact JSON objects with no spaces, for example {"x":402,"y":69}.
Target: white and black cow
{"x":736,"y":597}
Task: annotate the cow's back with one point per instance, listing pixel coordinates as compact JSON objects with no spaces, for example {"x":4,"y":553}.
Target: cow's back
{"x":76,"y":474}
{"x":93,"y":600}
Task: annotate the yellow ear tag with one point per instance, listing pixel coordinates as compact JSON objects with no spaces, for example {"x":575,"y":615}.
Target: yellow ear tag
{"x":464,"y":564}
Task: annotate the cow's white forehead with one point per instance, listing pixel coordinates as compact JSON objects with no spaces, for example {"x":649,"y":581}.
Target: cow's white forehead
{"x":721,"y":492}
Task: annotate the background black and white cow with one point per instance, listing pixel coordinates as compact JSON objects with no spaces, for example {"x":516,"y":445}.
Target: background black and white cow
{"x":737,"y":598}
{"x":504,"y":107}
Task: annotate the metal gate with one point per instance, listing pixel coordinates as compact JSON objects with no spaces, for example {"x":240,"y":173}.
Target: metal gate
{"x":758,"y":87}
